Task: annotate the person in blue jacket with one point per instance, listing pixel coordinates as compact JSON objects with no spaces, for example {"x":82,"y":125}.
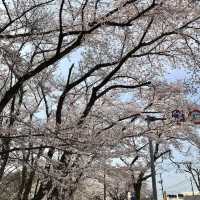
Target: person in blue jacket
{"x":133,"y":197}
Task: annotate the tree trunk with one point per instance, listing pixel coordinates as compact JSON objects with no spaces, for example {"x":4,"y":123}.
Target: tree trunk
{"x":29,"y":184}
{"x":137,"y":189}
{"x":4,"y":157}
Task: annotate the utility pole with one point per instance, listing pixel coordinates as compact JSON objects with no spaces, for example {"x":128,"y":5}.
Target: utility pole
{"x":192,"y":186}
{"x":153,"y":172}
{"x":150,"y":119}
{"x":161,"y":184}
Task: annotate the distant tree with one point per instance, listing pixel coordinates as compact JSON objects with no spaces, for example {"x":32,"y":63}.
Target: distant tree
{"x":193,"y":171}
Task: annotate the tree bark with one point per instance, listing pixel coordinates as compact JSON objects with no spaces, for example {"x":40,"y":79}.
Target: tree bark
{"x":137,"y":189}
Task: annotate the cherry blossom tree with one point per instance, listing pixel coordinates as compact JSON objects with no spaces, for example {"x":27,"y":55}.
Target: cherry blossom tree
{"x":53,"y":128}
{"x":166,"y":133}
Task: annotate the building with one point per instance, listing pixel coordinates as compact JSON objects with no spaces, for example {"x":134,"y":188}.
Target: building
{"x":183,"y":196}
